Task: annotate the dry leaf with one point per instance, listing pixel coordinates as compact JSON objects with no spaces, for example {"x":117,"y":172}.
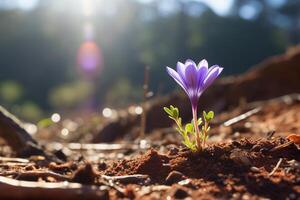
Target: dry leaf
{"x":294,"y":138}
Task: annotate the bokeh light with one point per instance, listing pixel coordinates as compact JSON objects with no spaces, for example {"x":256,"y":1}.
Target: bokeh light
{"x":55,"y":117}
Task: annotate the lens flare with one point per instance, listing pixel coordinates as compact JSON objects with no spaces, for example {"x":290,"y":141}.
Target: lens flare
{"x":89,"y":59}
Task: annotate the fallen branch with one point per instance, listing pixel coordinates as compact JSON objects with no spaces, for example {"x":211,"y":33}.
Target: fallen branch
{"x":136,"y":178}
{"x":12,"y":131}
{"x":35,"y":174}
{"x":14,"y":189}
{"x":19,"y":160}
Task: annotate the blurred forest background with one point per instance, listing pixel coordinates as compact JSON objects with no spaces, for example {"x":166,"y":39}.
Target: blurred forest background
{"x":74,"y":55}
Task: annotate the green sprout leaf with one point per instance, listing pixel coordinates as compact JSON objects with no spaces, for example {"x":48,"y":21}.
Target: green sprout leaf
{"x":199,"y":121}
{"x":176,"y":113}
{"x":189,"y":131}
{"x":189,"y":128}
{"x":208,"y":116}
{"x":168,"y":111}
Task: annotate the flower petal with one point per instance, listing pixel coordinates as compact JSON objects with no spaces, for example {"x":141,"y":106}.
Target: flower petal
{"x":202,"y":73}
{"x":203,"y":63}
{"x":191,"y":75}
{"x":212,"y":74}
{"x":190,"y":62}
{"x":177,"y":78}
{"x":181,"y":69}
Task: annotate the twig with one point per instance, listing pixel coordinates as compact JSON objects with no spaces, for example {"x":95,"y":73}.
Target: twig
{"x":113,"y":185}
{"x":242,"y":116}
{"x":18,"y":160}
{"x":282,"y":146}
{"x":100,"y":147}
{"x":276,"y":167}
{"x":14,"y":164}
{"x":135,"y":178}
{"x":15,"y":189}
{"x":37,"y":174}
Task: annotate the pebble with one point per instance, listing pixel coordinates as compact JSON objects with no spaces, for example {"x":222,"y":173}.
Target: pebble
{"x":254,"y":169}
{"x":239,"y":157}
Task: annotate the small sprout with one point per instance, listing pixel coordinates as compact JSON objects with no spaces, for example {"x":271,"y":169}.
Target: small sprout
{"x":189,"y":129}
{"x":194,"y":79}
{"x":208,"y":116}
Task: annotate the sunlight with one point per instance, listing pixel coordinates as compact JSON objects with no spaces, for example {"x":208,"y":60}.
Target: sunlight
{"x":87,"y":7}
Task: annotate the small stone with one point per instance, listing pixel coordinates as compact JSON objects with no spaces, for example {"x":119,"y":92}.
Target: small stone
{"x":254,"y":169}
{"x":186,"y":182}
{"x":240,"y":157}
{"x":174,"y":177}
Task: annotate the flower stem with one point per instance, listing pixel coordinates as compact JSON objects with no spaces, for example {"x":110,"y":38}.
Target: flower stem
{"x":204,"y":134}
{"x":195,"y":119}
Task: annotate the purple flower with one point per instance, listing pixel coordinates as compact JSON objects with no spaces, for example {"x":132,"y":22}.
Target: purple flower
{"x":194,"y":79}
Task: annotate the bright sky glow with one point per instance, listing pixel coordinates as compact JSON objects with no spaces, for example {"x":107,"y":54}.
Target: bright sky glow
{"x":221,"y":7}
{"x":87,"y":7}
{"x":250,"y":11}
{"x":19,"y":4}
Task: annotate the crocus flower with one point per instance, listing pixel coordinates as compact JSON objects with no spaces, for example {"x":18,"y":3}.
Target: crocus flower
{"x":194,"y":79}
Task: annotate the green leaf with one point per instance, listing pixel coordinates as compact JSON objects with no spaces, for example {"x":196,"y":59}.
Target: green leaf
{"x":176,"y":112}
{"x":208,"y":116}
{"x":179,"y":120}
{"x":168,"y":111}
{"x":199,"y":122}
{"x":189,"y":127}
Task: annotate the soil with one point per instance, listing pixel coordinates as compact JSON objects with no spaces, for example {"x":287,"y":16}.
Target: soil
{"x":240,"y":162}
{"x":228,"y":171}
{"x":242,"y":169}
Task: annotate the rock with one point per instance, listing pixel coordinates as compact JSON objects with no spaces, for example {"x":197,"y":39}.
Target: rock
{"x":240,"y":157}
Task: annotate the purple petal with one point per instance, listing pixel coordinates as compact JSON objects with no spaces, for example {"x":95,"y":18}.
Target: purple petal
{"x":191,"y":75}
{"x":212,"y":74}
{"x":190,"y":62}
{"x":181,"y":69}
{"x":202,"y":72}
{"x":177,"y":78}
{"x":203,"y":63}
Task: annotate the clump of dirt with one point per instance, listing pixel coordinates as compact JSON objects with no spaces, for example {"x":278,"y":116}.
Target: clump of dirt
{"x":149,"y":163}
{"x":227,"y":168}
